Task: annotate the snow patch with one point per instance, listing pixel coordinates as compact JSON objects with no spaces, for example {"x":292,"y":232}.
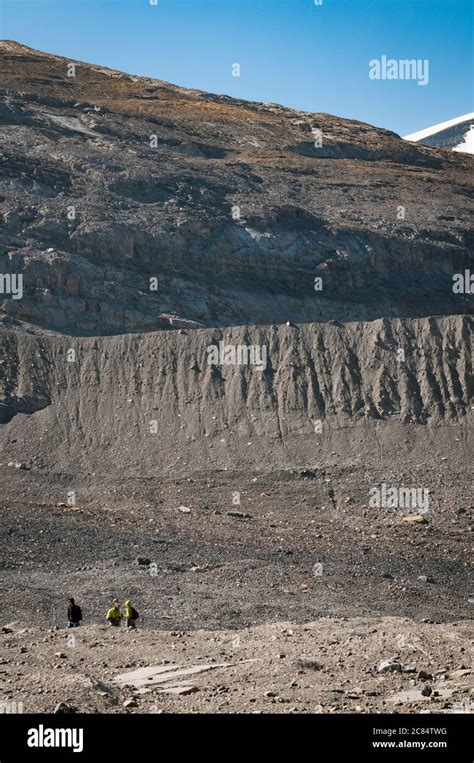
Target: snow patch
{"x":415,"y":136}
{"x":467,"y":146}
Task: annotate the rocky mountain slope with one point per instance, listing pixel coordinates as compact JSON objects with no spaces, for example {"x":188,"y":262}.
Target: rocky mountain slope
{"x":234,"y":208}
{"x":225,"y":496}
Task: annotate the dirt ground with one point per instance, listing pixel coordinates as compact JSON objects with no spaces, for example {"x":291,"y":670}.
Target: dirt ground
{"x":298,"y":595}
{"x":307,"y":546}
{"x":325,"y":666}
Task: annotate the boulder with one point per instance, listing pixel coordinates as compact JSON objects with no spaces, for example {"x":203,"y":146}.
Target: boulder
{"x":392,"y":665}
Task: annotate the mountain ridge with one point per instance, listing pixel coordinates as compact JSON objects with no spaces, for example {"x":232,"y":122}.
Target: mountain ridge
{"x":454,"y":134}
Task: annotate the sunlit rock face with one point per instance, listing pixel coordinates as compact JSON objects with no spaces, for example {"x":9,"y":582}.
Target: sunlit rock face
{"x":132,"y":205}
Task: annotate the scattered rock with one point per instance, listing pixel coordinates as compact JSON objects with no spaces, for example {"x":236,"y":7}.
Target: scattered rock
{"x":416,"y":519}
{"x":423,"y":676}
{"x":390,"y":666}
{"x":308,"y":664}
{"x":308,"y":474}
{"x":181,"y":691}
{"x":63,"y":709}
{"x":460,"y":672}
{"x":238,"y":514}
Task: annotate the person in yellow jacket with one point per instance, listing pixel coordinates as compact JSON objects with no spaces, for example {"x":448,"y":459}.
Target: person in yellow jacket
{"x":131,"y":614}
{"x":114,"y":615}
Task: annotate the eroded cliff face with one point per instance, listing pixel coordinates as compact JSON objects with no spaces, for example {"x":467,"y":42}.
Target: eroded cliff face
{"x":151,"y":401}
{"x":234,"y":208}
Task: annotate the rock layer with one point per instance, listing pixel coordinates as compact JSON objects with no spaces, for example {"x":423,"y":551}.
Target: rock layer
{"x":235,"y":208}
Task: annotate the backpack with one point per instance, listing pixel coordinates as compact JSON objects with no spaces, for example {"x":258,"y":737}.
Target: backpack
{"x":135,"y":614}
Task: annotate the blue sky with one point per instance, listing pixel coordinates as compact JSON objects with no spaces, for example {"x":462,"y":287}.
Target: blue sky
{"x":294,"y":52}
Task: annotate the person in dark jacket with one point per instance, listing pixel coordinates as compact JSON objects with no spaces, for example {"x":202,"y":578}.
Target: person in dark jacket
{"x":74,"y":614}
